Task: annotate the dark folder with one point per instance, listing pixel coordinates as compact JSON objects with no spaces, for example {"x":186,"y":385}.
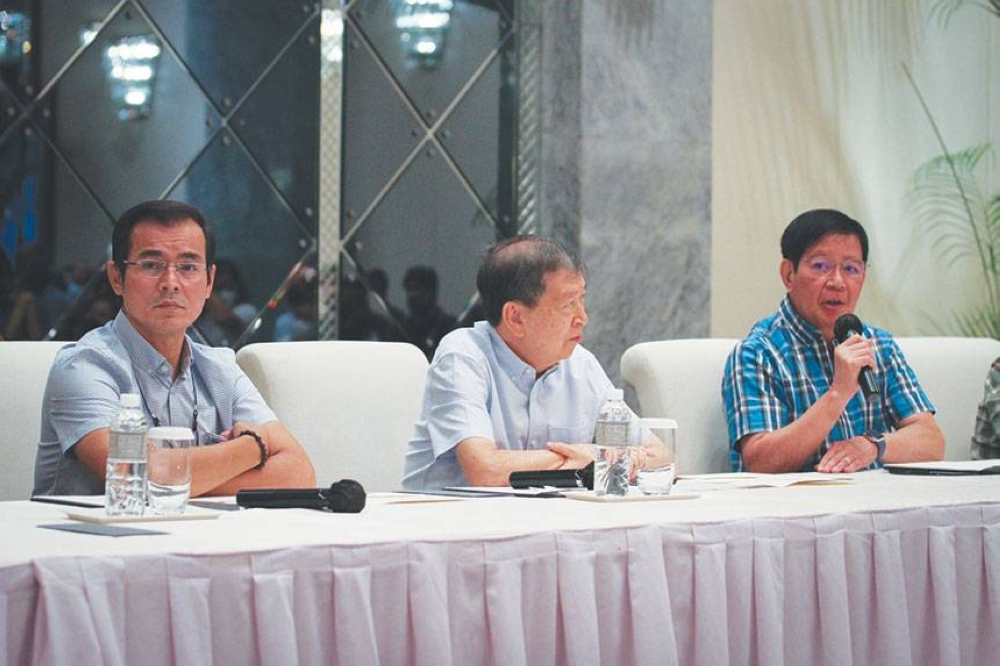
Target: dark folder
{"x":945,"y":468}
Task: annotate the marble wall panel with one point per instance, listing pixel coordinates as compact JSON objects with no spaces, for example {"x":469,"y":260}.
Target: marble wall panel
{"x":644,"y":223}
{"x":559,"y":206}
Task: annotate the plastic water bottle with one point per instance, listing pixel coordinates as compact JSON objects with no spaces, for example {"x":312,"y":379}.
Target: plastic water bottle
{"x":125,"y":479}
{"x":614,"y":458}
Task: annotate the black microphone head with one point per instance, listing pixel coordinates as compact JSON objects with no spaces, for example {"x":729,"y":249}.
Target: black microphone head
{"x":845,"y":325}
{"x":346,"y":496}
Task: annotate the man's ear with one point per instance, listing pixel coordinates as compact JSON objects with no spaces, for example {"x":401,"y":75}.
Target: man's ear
{"x":512,"y":317}
{"x":787,"y":269}
{"x":114,"y":277}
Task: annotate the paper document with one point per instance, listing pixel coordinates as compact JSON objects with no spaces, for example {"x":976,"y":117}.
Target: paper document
{"x":546,"y":491}
{"x":738,"y":480}
{"x":98,"y":516}
{"x":634,"y":495}
{"x":86,"y":501}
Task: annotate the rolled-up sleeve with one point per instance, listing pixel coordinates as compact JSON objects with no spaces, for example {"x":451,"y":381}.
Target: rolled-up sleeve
{"x":751,"y":394}
{"x":905,"y":397}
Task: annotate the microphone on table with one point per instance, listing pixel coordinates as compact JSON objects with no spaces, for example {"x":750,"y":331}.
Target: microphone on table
{"x":344,"y":496}
{"x":556,"y":478}
{"x":846,"y":326}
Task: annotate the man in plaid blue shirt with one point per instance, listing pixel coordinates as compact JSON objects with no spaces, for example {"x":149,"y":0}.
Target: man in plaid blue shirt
{"x":791,"y":394}
{"x":986,"y":438}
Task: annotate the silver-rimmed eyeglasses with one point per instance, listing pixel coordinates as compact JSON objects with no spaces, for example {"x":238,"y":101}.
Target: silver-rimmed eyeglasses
{"x":154,"y":269}
{"x":823,"y":266}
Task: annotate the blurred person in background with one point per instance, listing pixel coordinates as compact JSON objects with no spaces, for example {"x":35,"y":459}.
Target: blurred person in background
{"x":426,"y":323}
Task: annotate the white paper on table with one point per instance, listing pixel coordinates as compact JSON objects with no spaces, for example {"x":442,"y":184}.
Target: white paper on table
{"x":743,"y":480}
{"x":634,"y":495}
{"x":507,"y":490}
{"x":99,"y":516}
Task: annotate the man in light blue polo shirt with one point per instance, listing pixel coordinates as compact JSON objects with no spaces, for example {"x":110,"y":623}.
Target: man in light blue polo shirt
{"x":515,"y":392}
{"x":162,"y":267}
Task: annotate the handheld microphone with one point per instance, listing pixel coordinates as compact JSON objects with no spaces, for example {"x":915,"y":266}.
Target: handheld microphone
{"x":344,"y":496}
{"x":846,"y":326}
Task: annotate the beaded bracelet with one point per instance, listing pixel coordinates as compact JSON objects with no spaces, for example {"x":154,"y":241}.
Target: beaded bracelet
{"x":260,"y":443}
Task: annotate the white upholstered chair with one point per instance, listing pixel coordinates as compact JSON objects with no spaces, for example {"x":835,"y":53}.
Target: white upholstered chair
{"x":24,"y":370}
{"x":952,"y":372}
{"x":352,"y":405}
{"x":682,"y":380}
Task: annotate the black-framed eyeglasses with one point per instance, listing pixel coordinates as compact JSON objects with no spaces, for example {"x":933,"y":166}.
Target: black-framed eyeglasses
{"x":154,"y":269}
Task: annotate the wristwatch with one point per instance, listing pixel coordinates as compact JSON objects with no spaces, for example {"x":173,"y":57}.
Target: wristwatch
{"x":879,"y":442}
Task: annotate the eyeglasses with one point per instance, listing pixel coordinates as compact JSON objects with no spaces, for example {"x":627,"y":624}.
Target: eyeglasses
{"x":821,"y":266}
{"x":153,"y":269}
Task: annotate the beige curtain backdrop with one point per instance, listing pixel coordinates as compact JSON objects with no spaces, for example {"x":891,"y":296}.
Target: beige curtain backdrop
{"x":811,"y":108}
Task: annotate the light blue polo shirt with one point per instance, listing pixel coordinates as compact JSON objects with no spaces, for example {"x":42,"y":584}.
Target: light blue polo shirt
{"x":87,"y":378}
{"x":478,"y":387}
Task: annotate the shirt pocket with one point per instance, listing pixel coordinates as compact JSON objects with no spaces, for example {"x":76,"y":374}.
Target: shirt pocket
{"x":572,"y":434}
{"x":209,"y":425}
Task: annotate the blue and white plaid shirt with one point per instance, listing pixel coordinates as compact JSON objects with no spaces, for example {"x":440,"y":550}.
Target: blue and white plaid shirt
{"x":986,"y":438}
{"x":783,"y":367}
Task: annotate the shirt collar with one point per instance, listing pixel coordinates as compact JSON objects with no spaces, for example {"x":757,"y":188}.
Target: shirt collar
{"x":510,"y":363}
{"x":143,"y":355}
{"x":798,"y":325}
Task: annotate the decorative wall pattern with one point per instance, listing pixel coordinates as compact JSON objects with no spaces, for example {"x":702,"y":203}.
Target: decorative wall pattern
{"x":106,"y":104}
{"x":429,"y":144}
{"x":445,"y":125}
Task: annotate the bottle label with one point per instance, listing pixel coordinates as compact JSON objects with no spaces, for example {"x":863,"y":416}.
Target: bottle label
{"x":612,"y":433}
{"x":127,"y":445}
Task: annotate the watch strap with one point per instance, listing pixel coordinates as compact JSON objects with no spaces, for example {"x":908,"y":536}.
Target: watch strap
{"x":879,"y":442}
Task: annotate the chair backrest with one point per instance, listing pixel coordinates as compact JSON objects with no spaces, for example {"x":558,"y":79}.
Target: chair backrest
{"x":952,"y":372}
{"x":682,"y":380}
{"x":24,"y":370}
{"x":352,"y":405}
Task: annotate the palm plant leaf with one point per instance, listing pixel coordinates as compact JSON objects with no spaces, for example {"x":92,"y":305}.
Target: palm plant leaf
{"x":950,"y":202}
{"x":980,"y":323}
{"x":993,"y":219}
{"x":943,"y":10}
{"x":939,"y":207}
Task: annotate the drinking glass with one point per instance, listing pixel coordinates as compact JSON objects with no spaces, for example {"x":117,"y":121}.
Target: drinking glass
{"x":169,"y":469}
{"x":657,"y":478}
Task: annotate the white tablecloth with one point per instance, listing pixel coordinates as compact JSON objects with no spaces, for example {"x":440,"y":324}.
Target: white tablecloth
{"x":886,"y":570}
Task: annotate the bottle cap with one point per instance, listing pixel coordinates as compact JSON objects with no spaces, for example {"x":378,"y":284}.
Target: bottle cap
{"x":130,"y":400}
{"x":615,"y":394}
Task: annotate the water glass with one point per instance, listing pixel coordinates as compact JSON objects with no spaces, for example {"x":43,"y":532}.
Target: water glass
{"x":169,"y":469}
{"x":657,"y":478}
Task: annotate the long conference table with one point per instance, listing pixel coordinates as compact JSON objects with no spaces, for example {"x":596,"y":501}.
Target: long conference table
{"x":883,"y":570}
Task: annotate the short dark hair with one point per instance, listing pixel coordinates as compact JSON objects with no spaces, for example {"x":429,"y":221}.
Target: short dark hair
{"x":805,"y":231}
{"x":421,"y":277}
{"x":514,"y":270}
{"x":163,"y":212}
